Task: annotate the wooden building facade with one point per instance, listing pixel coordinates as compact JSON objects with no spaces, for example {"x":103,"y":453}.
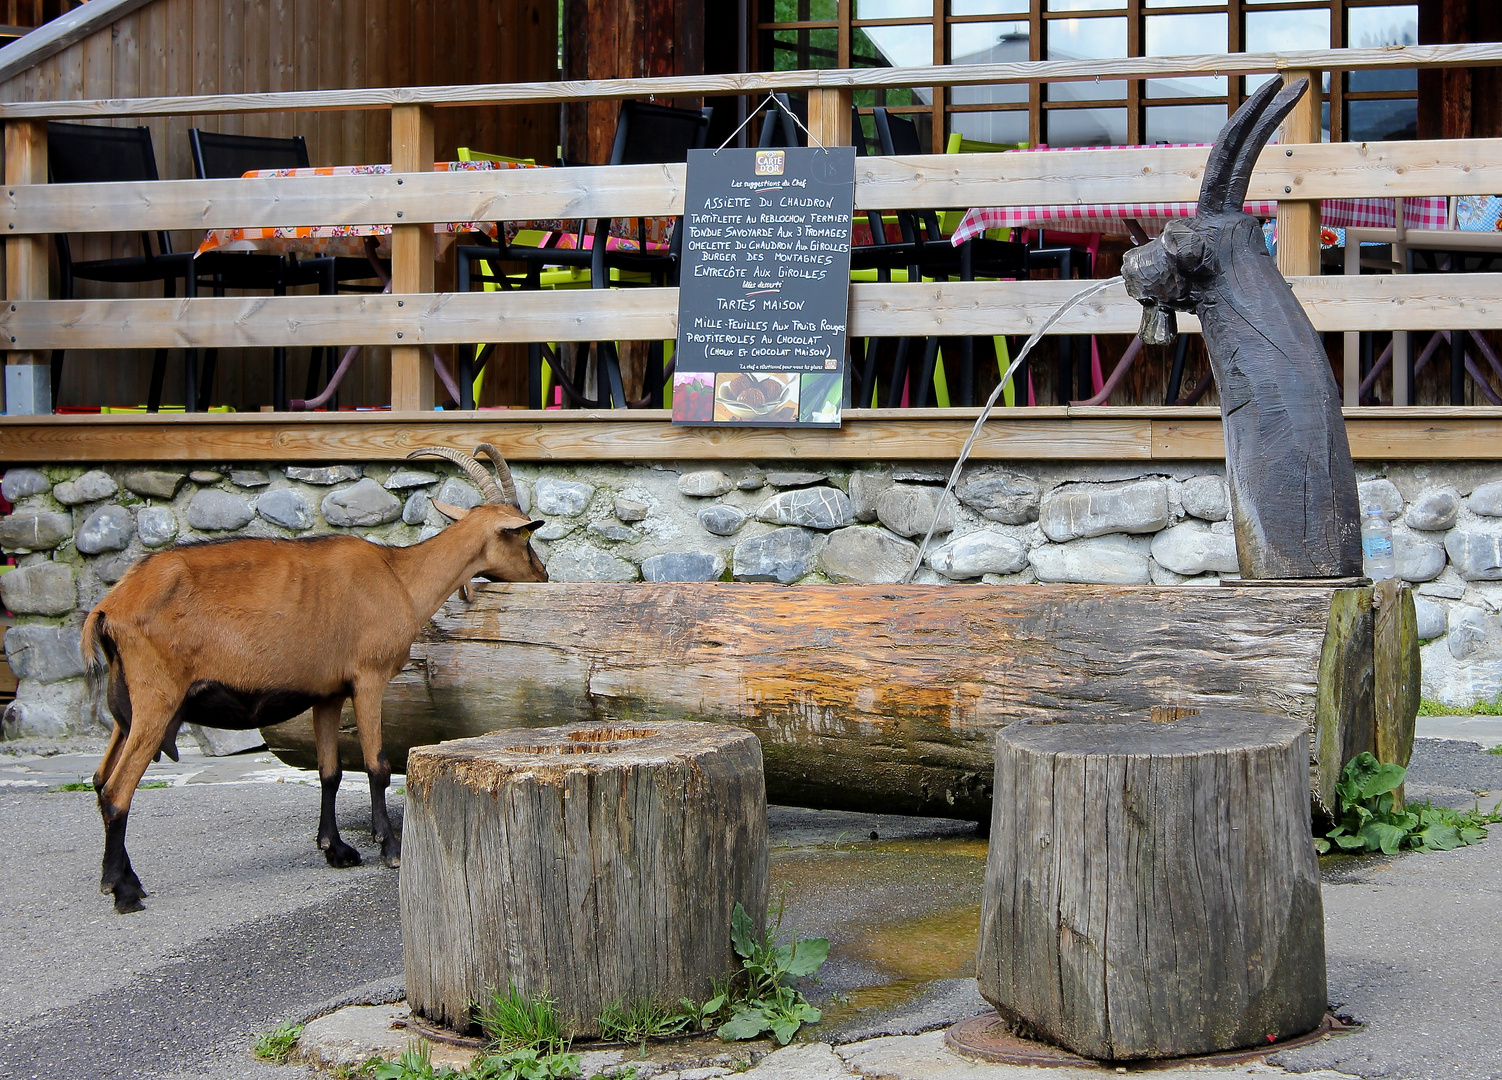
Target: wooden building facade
{"x":147,"y":48}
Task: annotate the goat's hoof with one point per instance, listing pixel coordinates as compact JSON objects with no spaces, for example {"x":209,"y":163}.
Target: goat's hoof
{"x":393,"y":861}
{"x":341,"y":855}
{"x":128,"y":897}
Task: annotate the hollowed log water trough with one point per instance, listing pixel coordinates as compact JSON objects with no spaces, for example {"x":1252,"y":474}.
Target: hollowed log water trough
{"x":889,"y":698}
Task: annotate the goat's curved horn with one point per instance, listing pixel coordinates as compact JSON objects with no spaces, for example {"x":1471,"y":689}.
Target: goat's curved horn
{"x":1262,"y":130}
{"x":489,"y":490}
{"x":1227,"y":149}
{"x":502,"y":473}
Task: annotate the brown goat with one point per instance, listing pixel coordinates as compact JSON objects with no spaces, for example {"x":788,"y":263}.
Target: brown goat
{"x":246,"y":633}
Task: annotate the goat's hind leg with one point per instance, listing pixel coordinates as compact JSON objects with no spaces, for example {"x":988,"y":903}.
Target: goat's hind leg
{"x":326,"y":737}
{"x":127,"y":765}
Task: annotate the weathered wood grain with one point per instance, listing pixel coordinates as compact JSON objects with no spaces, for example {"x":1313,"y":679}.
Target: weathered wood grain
{"x":1345,"y":721}
{"x":874,"y":697}
{"x":1413,"y":302}
{"x":1395,"y":673}
{"x":1068,"y":177}
{"x":1043,"y":434}
{"x":1151,"y":889}
{"x":1288,"y":462}
{"x":592,"y":864}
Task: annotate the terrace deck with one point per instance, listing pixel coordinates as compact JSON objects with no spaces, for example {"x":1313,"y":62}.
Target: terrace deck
{"x":1083,"y":434}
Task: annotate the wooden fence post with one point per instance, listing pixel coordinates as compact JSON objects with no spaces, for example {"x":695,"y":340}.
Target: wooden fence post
{"x":26,"y":261}
{"x":412,"y":255}
{"x":829,"y":117}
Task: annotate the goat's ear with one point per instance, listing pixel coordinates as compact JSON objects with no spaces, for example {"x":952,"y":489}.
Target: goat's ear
{"x":453,"y":513}
{"x":530,"y":526}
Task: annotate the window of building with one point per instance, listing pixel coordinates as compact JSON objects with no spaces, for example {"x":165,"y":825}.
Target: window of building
{"x":794,"y":34}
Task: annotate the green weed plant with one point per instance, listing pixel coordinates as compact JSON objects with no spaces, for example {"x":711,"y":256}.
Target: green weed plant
{"x":416,"y":1063}
{"x":768,"y":1001}
{"x":276,"y":1045}
{"x":1369,"y":821}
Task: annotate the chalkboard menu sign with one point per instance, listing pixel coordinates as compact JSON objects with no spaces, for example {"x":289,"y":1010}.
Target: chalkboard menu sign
{"x":764,"y":290}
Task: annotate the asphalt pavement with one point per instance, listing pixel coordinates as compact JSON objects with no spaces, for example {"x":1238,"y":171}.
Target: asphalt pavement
{"x":246,"y":926}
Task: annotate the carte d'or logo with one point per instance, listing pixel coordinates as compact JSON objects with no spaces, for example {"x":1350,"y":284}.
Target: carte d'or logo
{"x":770,"y":162}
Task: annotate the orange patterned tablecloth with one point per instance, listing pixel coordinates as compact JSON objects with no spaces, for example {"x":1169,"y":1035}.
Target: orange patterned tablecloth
{"x":349,"y":240}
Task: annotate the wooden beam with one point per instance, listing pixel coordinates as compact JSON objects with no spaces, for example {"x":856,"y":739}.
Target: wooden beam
{"x":1335,"y":304}
{"x":26,"y":256}
{"x":829,"y":122}
{"x":412,"y":253}
{"x":1482,"y":54}
{"x":1298,"y":219}
{"x":1066,"y":177}
{"x":1040,"y":434}
{"x":894,"y":691}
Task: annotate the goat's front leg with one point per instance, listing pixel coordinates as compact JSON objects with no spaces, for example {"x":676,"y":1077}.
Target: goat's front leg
{"x":368,"y":719}
{"x":326,"y":738}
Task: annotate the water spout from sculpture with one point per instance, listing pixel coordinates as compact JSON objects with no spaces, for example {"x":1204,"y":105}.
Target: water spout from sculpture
{"x":985,"y":413}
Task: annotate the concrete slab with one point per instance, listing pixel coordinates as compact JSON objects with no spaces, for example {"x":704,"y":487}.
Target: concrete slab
{"x":247,"y":928}
{"x":1486,"y":731}
{"x":925,"y":1057}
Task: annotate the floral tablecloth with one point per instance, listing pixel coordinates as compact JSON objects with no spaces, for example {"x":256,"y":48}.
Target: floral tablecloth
{"x":349,"y":240}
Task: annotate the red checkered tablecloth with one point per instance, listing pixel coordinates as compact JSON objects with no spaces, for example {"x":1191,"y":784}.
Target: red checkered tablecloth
{"x":1426,"y":213}
{"x":1423,"y":213}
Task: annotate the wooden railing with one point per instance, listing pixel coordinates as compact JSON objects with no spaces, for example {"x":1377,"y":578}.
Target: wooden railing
{"x":1297,"y":172}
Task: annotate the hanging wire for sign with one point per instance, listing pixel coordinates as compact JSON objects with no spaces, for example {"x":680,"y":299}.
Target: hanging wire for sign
{"x":771,"y":99}
{"x":985,"y":413}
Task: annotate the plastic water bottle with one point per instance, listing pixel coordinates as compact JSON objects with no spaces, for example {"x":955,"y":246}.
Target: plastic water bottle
{"x":1376,"y":544}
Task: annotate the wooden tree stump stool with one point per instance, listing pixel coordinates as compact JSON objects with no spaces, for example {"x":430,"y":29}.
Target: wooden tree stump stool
{"x":591,"y":863}
{"x":1152,"y":888}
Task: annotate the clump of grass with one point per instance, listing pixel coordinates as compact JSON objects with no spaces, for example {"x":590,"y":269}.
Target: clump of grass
{"x":276,"y":1045}
{"x":1430,"y":707}
{"x":147,"y":785}
{"x":516,"y":1020}
{"x":74,"y":785}
{"x":1496,"y":749}
{"x":642,"y":1020}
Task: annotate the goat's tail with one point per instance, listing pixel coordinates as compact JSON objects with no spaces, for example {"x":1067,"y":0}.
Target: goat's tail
{"x":97,"y":646}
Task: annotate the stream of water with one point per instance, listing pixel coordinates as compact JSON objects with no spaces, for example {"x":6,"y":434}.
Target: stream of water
{"x":985,"y":413}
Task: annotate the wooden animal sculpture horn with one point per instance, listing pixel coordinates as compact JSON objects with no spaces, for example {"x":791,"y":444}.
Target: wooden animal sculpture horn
{"x":1293,"y":487}
{"x":489,"y":489}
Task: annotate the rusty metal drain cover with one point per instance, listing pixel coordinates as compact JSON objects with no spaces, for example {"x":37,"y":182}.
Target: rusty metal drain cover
{"x":988,"y":1037}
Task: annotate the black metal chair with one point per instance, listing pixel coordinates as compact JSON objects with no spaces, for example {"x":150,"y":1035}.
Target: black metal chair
{"x":220,"y":156}
{"x":785,"y":124}
{"x":85,"y":153}
{"x":933,"y":256}
{"x":645,"y":134}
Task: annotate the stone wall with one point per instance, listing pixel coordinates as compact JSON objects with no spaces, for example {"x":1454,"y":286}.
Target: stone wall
{"x":76,"y":531}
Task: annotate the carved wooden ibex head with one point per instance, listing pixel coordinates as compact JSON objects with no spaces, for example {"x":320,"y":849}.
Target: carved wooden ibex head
{"x":1293,"y":487}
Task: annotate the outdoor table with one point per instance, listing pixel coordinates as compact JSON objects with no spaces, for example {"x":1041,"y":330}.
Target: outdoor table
{"x":373,"y":242}
{"x":1429,"y":212}
{"x":349,"y":240}
{"x":1423,"y":213}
